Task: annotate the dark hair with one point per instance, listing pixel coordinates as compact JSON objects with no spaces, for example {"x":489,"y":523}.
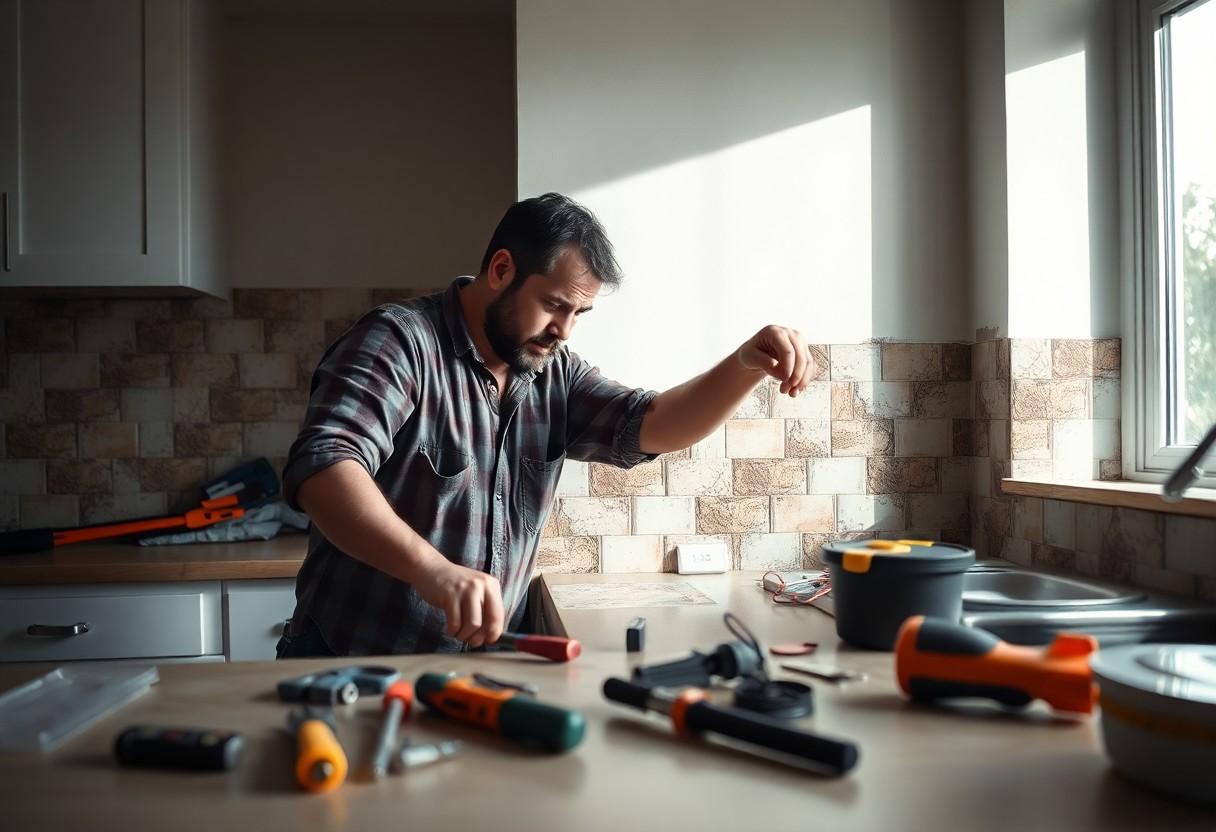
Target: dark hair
{"x":536,"y":231}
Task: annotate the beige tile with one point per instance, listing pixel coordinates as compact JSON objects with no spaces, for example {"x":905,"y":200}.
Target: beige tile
{"x":755,"y":438}
{"x":758,"y":404}
{"x":1072,"y":470}
{"x":345,"y":303}
{"x":191,"y":404}
{"x":955,"y":474}
{"x":664,"y":515}
{"x":804,"y":513}
{"x":105,"y":508}
{"x":1033,"y":469}
{"x":992,"y":400}
{"x":40,"y":334}
{"x":711,"y":447}
{"x":1190,"y":545}
{"x":961,"y":437}
{"x":891,"y":475}
{"x":70,"y":370}
{"x":1069,"y":399}
{"x":209,"y":439}
{"x":1029,"y":358}
{"x":1000,"y":438}
{"x":1085,"y":439}
{"x":24,"y":370}
{"x":280,"y":304}
{"x":844,"y":399}
{"x":1026,"y":519}
{"x":1017,"y":551}
{"x":79,"y":476}
{"x":883,"y":399}
{"x":770,"y":551}
{"x":1105,"y":402}
{"x":864,"y":438}
{"x":105,"y":335}
{"x":1060,"y":524}
{"x":235,"y":336}
{"x":1030,"y":439}
{"x":54,"y":511}
{"x":289,"y":405}
{"x":813,"y":403}
{"x":1072,"y":358}
{"x":922,"y":437}
{"x":911,"y":362}
{"x":294,"y":336}
{"x":585,"y":516}
{"x":170,"y":336}
{"x":956,"y":362}
{"x":575,"y":479}
{"x":267,"y":370}
{"x":869,"y":513}
{"x":203,"y":370}
{"x":147,"y":309}
{"x":983,"y":361}
{"x":1138,"y":536}
{"x":95,"y":405}
{"x":732,"y":515}
{"x":699,"y":477}
{"x":242,"y":405}
{"x":568,"y":554}
{"x":610,"y":481}
{"x":146,"y":404}
{"x":939,"y":511}
{"x":1108,"y":357}
{"x":980,"y":477}
{"x":155,"y":439}
{"x":121,"y":370}
{"x":269,"y":438}
{"x":109,"y":440}
{"x":1031,"y":399}
{"x":837,"y":475}
{"x":822,"y":356}
{"x":808,"y":438}
{"x":942,"y":399}
{"x":172,"y":474}
{"x":631,"y":553}
{"x":856,"y":362}
{"x":1164,"y":580}
{"x":1087,"y":563}
{"x":22,"y":476}
{"x":22,"y":406}
{"x":125,"y":476}
{"x":763,"y":477}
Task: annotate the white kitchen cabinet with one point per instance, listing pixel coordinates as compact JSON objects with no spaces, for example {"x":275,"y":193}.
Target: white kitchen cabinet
{"x":102,"y":155}
{"x":254,"y":614}
{"x":75,"y":622}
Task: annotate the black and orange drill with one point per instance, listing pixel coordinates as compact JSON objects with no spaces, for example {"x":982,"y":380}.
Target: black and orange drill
{"x":506,"y":711}
{"x":936,"y":660}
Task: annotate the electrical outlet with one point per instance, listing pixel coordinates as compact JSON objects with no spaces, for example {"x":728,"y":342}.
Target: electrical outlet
{"x":701,"y":558}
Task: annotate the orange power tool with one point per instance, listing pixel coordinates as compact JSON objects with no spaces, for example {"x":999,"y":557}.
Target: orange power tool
{"x":937,"y":659}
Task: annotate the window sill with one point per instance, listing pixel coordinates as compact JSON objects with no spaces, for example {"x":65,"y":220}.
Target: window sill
{"x":1198,"y":502}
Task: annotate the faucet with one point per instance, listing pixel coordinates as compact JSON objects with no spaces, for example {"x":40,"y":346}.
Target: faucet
{"x":1190,"y":469}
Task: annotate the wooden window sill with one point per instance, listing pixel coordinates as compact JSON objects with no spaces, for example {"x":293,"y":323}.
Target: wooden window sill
{"x":1198,"y":502}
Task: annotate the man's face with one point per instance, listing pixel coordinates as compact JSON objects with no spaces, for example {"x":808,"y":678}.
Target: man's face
{"x":533,"y":316}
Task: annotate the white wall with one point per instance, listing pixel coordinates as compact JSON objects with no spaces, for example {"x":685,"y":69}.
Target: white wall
{"x":1062,"y":169}
{"x":771,"y":161}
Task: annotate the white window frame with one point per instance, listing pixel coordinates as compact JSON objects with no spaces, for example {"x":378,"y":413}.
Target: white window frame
{"x":1146,"y":455}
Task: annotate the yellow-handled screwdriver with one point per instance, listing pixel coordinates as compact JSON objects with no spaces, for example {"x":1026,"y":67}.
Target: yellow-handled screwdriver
{"x":320,"y":762}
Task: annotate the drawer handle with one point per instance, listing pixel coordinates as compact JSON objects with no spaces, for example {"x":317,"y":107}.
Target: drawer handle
{"x":57,"y":629}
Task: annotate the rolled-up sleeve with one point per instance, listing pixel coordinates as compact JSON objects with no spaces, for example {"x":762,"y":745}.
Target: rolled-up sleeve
{"x":605,"y":418}
{"x":362,"y":392}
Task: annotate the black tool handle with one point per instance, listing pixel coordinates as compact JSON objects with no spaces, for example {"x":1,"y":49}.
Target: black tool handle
{"x":26,"y":541}
{"x":833,"y":756}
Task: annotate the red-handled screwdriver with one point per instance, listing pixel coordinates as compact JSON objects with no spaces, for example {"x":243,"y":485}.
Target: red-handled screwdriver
{"x":553,"y":648}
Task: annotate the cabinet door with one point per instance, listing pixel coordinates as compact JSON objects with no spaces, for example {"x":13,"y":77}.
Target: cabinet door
{"x":254,"y":614}
{"x":110,"y":621}
{"x":92,"y":143}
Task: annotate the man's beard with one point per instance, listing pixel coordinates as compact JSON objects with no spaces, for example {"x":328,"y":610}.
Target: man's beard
{"x":509,"y":344}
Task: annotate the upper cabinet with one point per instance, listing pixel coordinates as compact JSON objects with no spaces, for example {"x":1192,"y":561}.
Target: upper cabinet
{"x":100,"y":151}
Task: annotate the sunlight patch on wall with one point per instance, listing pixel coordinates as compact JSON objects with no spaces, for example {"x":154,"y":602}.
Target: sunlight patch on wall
{"x":1049,"y":268}
{"x":772,"y":230}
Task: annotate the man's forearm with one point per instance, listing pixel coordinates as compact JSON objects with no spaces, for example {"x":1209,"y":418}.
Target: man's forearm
{"x":346,"y":505}
{"x":689,"y":412}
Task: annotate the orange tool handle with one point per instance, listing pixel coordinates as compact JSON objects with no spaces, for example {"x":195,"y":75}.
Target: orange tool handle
{"x":553,"y":648}
{"x":320,"y":762}
{"x":936,"y":659}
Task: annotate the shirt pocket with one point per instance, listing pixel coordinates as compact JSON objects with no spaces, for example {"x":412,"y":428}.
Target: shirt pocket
{"x":438,"y":482}
{"x":538,"y":485}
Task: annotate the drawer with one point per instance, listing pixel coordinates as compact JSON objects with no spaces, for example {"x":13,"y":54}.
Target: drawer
{"x":254,"y":615}
{"x":122,"y":620}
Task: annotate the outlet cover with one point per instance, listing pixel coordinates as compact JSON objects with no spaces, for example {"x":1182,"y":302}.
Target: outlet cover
{"x":701,"y":558}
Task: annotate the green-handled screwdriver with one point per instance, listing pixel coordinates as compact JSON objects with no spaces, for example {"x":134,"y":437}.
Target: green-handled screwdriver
{"x":502,"y":710}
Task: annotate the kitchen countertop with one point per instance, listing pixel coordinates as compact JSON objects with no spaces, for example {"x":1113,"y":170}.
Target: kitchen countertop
{"x":920,"y":767}
{"x":102,"y":563}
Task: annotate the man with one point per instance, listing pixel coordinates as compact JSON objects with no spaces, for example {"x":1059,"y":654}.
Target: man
{"x":437,"y":428}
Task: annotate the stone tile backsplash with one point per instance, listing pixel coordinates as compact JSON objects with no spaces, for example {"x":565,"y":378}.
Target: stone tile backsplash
{"x":113,"y":408}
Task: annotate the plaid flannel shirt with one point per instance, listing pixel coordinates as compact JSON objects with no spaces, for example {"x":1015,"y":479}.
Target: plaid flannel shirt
{"x":405,"y":394}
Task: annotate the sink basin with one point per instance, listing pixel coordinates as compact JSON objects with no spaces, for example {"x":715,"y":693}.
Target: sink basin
{"x":992,"y":589}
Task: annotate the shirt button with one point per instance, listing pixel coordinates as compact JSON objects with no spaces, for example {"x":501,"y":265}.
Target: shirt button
{"x":498,"y":496}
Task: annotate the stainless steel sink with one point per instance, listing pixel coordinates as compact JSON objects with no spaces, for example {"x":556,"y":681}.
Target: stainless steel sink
{"x":1025,"y":606}
{"x":1003,"y":589}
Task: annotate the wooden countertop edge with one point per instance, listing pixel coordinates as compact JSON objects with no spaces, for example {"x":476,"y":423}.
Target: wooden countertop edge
{"x":106,"y":573}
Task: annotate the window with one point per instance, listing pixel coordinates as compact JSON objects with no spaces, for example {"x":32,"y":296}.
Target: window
{"x":1172,"y":388}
